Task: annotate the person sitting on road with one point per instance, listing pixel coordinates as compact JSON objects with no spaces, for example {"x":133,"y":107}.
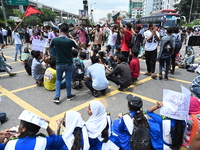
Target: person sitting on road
{"x":25,"y":55}
{"x":96,"y":78}
{"x":192,"y":121}
{"x":123,"y":126}
{"x":99,"y":127}
{"x":4,"y":65}
{"x":37,"y":68}
{"x":188,"y":59}
{"x":135,"y":65}
{"x":123,"y":70}
{"x":166,"y":133}
{"x":75,"y":136}
{"x":50,"y":76}
{"x":87,"y":62}
{"x":78,"y":70}
{"x":195,"y":86}
{"x":29,"y":139}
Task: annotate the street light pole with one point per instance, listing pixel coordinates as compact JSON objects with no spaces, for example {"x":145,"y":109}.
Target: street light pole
{"x":4,"y":13}
{"x":190,"y":11}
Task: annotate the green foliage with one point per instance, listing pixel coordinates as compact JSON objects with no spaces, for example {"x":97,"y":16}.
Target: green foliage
{"x":138,"y":16}
{"x":17,"y":13}
{"x":2,"y":23}
{"x":11,"y":23}
{"x":184,"y":7}
{"x":47,"y":15}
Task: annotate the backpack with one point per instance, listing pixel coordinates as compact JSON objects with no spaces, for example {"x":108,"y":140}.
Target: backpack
{"x":178,"y":45}
{"x":132,"y":41}
{"x":140,"y":139}
{"x":28,"y":65}
{"x":78,"y":71}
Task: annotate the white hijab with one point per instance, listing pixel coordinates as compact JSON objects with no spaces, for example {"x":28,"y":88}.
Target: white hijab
{"x":97,"y":121}
{"x":72,"y":120}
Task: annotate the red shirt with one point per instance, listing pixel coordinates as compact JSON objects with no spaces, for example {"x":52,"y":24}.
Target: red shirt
{"x":135,"y":68}
{"x":125,"y":40}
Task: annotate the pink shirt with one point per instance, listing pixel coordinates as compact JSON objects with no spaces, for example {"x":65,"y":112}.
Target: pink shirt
{"x":81,"y":36}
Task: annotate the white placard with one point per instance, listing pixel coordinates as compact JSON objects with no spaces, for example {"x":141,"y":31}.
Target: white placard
{"x":33,"y":118}
{"x":38,"y":45}
{"x":176,"y":105}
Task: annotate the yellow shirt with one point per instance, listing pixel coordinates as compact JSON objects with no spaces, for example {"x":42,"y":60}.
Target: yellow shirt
{"x":50,"y":79}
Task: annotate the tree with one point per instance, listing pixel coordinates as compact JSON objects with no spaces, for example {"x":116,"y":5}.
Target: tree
{"x":47,"y":15}
{"x":183,"y":8}
{"x":138,"y":16}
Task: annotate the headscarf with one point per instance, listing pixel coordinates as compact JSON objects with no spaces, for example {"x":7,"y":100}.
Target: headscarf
{"x":194,"y":106}
{"x":72,"y":120}
{"x":97,"y":121}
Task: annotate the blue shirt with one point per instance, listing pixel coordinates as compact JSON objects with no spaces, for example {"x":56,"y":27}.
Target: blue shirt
{"x":121,"y":130}
{"x":195,"y":82}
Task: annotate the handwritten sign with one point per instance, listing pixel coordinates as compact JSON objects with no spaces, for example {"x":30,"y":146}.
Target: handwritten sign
{"x":38,"y":45}
{"x":176,"y":105}
{"x":33,"y":118}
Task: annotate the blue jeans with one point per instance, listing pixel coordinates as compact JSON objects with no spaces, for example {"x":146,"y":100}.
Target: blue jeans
{"x":68,"y":76}
{"x":196,"y":91}
{"x":162,"y":62}
{"x":112,"y":49}
{"x":53,"y":51}
{"x":18,"y":47}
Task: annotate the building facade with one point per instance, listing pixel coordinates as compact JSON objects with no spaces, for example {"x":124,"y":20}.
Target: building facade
{"x":147,"y":7}
{"x":135,"y":8}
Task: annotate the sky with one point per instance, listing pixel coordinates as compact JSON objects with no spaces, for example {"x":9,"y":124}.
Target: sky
{"x":100,"y":9}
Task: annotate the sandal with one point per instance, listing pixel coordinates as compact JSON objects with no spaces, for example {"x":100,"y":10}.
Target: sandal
{"x":153,"y":76}
{"x":166,"y":78}
{"x":160,"y":77}
{"x":147,"y":74}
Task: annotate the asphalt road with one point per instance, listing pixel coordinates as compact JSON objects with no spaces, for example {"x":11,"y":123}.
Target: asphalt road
{"x":20,"y":92}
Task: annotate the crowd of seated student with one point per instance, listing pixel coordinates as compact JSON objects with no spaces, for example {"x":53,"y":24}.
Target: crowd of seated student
{"x":99,"y":132}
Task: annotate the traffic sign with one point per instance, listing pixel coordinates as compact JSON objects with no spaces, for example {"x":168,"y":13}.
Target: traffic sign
{"x":71,"y":21}
{"x":17,"y":2}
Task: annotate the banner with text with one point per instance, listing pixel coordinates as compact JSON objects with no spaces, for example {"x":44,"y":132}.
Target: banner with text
{"x":38,"y":45}
{"x":176,"y":105}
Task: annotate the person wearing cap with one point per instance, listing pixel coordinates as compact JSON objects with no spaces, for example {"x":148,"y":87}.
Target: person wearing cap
{"x":123,"y":126}
{"x":166,"y":133}
{"x":193,"y":122}
{"x":75,"y":136}
{"x":28,"y":138}
{"x":52,"y":35}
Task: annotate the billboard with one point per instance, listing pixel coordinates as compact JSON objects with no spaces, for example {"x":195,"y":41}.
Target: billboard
{"x":83,"y":14}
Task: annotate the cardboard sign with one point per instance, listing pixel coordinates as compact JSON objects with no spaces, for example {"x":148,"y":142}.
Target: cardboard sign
{"x":176,"y":105}
{"x":38,"y":45}
{"x":33,"y":118}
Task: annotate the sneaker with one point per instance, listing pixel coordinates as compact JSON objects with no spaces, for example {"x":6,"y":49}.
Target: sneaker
{"x":103,"y":92}
{"x":71,"y":97}
{"x":121,"y":88}
{"x":56,"y":100}
{"x":12,"y":74}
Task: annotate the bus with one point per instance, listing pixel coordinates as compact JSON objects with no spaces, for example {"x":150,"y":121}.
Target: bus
{"x":162,"y":18}
{"x":128,"y":20}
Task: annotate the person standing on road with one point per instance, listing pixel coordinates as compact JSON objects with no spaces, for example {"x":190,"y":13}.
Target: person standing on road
{"x":9,"y":34}
{"x":63,"y":46}
{"x":152,"y":38}
{"x":18,"y":42}
{"x":98,"y":36}
{"x":167,"y":47}
{"x":5,"y":32}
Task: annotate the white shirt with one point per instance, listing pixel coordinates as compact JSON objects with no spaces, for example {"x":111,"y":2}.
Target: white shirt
{"x":16,"y":36}
{"x":97,"y":73}
{"x":112,"y":37}
{"x":46,"y":43}
{"x":30,"y":32}
{"x":152,"y":45}
{"x":188,"y":37}
{"x":4,"y":32}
